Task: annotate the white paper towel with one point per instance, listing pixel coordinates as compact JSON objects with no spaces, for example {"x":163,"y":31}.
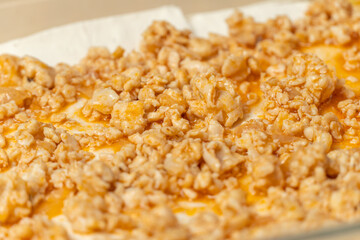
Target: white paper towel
{"x":69,"y":43}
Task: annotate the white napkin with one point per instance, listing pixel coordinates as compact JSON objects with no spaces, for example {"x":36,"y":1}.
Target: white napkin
{"x":69,"y":43}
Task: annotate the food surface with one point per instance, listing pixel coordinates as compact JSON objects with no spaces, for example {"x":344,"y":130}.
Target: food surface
{"x":246,"y":136}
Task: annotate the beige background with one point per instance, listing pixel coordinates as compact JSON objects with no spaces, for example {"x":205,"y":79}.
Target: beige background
{"x":22,"y":17}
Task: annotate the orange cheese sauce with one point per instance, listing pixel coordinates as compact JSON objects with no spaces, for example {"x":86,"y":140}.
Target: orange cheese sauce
{"x":85,"y":92}
{"x":344,"y":145}
{"x":332,"y":55}
{"x":9,"y":71}
{"x":75,"y":119}
{"x":331,"y":106}
{"x":53,"y":203}
{"x":208,"y":203}
{"x":192,"y":207}
{"x":252,"y":87}
{"x":46,"y":119}
{"x":73,"y":125}
{"x":9,"y":130}
{"x":80,"y":115}
{"x":114,"y":147}
{"x":245,"y":182}
{"x":356,"y":3}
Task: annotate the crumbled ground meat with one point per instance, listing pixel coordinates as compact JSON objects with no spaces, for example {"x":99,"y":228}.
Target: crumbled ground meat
{"x":118,"y":142}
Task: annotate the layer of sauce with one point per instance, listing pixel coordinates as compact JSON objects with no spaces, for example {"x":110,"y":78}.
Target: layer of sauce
{"x":192,"y":207}
{"x":53,"y":204}
{"x":333,"y":57}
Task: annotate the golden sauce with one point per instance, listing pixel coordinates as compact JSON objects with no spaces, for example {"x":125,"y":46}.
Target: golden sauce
{"x":73,"y":117}
{"x":9,"y":72}
{"x":5,"y":169}
{"x":332,"y":55}
{"x":252,"y":88}
{"x":11,"y":93}
{"x":85,"y":92}
{"x":73,"y":125}
{"x":53,"y":203}
{"x":356,"y":3}
{"x":9,"y":130}
{"x":331,"y":106}
{"x":208,"y":203}
{"x":245,"y":182}
{"x":344,"y":145}
{"x":114,"y":147}
{"x":192,"y":207}
{"x":81,"y":116}
{"x":46,"y":119}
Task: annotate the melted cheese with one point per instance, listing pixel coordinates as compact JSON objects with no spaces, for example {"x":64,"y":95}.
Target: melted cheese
{"x":53,"y":204}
